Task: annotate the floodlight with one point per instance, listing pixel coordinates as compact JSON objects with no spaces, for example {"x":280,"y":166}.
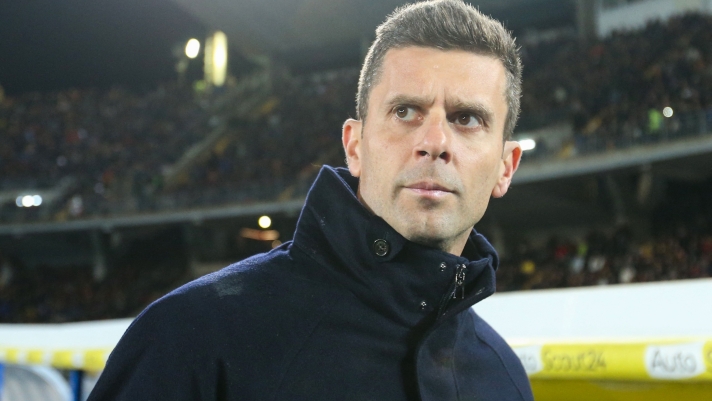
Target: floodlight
{"x":264,"y":221}
{"x":192,"y":48}
{"x":667,"y":112}
{"x":527,"y":144}
{"x":216,"y":55}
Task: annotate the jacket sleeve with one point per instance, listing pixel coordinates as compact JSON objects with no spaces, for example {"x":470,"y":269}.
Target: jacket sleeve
{"x":156,"y":358}
{"x":504,"y":357}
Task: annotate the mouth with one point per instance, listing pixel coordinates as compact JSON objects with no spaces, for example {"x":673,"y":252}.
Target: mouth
{"x":429,"y":189}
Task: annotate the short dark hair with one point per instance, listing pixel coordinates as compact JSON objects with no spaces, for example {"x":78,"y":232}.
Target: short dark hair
{"x":446,"y":25}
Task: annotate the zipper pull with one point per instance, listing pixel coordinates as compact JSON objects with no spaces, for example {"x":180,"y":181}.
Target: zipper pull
{"x":459,"y":281}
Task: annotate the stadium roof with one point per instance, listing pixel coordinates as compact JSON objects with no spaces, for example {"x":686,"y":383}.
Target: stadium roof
{"x":294,"y":28}
{"x":51,"y":45}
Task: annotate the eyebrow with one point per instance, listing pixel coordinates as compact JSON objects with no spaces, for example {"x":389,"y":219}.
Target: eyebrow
{"x":475,"y":108}
{"x":410,"y":100}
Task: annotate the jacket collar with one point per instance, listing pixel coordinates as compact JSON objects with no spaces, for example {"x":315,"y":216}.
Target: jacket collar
{"x":378,"y":264}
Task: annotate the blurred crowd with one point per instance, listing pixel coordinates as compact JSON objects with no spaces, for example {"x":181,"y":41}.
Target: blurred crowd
{"x":615,"y":91}
{"x":103,"y":144}
{"x":280,"y":155}
{"x":673,"y":242}
{"x":95,"y":135}
{"x":601,"y":259}
{"x":70,"y":294}
{"x":55,"y":295}
{"x":113,"y":148}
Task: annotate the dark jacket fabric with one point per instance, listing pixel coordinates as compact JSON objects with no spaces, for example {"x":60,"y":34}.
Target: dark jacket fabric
{"x":349,"y":310}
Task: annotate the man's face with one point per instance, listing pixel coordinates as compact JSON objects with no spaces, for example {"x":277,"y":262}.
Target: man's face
{"x":431,"y":151}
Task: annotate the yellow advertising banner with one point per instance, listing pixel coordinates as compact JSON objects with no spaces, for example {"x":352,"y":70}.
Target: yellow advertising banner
{"x":658,"y":360}
{"x":685,"y":360}
{"x":92,"y":360}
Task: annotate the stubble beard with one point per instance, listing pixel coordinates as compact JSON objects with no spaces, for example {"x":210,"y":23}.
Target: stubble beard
{"x":429,"y":223}
{"x":426,"y":222}
{"x":430,"y":229}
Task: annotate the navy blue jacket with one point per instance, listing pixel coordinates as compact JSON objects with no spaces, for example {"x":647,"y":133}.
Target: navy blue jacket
{"x":350,"y":310}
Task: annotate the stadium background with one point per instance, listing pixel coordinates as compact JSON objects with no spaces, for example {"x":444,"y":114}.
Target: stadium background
{"x":124,"y":173}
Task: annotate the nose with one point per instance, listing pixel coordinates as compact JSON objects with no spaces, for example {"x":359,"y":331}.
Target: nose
{"x":435,"y":140}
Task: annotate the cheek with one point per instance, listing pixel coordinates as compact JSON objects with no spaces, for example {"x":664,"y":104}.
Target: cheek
{"x":381,"y":158}
{"x":374,"y":169}
{"x":482,"y":177}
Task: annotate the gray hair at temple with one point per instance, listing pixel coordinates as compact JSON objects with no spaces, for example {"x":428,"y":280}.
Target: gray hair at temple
{"x":446,"y":25}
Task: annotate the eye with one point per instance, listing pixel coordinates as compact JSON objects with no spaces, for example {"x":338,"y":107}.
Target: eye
{"x":467,"y":120}
{"x":405,"y":113}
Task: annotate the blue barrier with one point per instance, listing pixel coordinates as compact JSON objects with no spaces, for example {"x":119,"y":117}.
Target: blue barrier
{"x":2,"y":376}
{"x":76,"y":377}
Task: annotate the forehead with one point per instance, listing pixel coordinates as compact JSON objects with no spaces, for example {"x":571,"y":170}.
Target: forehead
{"x":451,"y":74}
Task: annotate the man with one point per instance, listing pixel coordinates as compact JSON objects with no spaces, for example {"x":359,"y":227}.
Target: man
{"x":371,"y":301}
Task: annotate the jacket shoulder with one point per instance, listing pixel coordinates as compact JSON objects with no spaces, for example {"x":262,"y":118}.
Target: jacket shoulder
{"x":249,"y":317}
{"x":260,"y":281}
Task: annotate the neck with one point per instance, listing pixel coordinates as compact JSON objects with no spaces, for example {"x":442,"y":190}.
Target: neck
{"x":453,"y":245}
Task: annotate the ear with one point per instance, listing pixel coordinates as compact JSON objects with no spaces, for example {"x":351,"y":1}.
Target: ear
{"x":510,"y":162}
{"x":351,"y":139}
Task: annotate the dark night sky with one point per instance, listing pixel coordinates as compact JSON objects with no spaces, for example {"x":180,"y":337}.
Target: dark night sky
{"x":56,"y":44}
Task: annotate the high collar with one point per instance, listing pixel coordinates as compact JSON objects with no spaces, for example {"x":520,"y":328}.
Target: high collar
{"x":409,"y":280}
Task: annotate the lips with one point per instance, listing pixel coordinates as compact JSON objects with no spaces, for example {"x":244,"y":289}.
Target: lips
{"x":429,"y":190}
{"x":428,"y":186}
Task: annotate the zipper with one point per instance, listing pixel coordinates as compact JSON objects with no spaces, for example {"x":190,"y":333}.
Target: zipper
{"x":456,"y":288}
{"x":459,"y":282}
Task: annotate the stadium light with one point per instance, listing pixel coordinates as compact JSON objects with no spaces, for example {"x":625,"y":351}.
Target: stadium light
{"x":192,"y":48}
{"x":28,"y":200}
{"x":216,"y":55}
{"x":527,"y":144}
{"x":667,"y":112}
{"x":264,"y":221}
{"x":220,"y":57}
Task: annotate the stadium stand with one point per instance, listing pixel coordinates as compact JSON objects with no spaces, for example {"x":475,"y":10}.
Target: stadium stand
{"x":678,"y":246}
{"x":614,"y":91}
{"x":47,"y":295}
{"x":105,"y":144}
{"x":114,"y":149}
{"x":280,"y":156}
{"x":609,"y":259}
{"x":117,"y":147}
{"x":140,"y":273}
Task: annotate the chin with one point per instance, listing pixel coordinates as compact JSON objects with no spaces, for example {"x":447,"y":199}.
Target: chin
{"x":433,"y":231}
{"x":426,"y":234}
